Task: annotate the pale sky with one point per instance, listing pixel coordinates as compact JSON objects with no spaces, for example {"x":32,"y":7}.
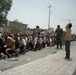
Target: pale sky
{"x":35,"y":12}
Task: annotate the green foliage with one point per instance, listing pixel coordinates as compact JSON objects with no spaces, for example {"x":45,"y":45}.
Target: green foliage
{"x":5,"y":6}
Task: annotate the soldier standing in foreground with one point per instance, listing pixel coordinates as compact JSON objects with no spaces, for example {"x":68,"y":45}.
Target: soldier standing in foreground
{"x":59,"y":34}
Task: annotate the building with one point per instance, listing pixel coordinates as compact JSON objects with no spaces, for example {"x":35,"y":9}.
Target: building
{"x":16,"y":27}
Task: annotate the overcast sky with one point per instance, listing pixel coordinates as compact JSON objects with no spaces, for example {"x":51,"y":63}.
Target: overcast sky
{"x":35,"y":12}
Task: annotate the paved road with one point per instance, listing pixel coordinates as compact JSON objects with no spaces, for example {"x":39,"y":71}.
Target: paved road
{"x":26,"y":58}
{"x":50,"y":65}
{"x":29,"y":57}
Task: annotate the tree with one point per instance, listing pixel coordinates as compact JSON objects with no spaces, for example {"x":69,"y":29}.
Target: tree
{"x":5,"y":6}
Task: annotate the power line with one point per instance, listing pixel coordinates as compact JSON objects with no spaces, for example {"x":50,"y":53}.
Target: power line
{"x":58,"y":10}
{"x":45,"y":2}
{"x":41,"y":10}
{"x":22,"y":1}
{"x":54,"y":8}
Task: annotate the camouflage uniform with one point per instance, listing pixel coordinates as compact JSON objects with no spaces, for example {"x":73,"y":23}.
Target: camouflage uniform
{"x":59,"y":33}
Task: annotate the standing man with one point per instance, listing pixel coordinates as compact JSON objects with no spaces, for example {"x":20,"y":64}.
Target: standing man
{"x":67,"y":40}
{"x":59,"y":34}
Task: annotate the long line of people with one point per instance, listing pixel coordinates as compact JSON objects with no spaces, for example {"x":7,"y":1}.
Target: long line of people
{"x":13,"y":45}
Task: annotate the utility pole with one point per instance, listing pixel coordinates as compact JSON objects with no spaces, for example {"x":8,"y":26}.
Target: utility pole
{"x":49,"y":16}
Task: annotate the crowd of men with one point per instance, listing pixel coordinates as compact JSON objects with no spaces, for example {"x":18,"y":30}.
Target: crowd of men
{"x":16,"y":44}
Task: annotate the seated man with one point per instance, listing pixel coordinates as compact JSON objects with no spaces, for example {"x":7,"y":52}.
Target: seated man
{"x":10,"y":45}
{"x":1,"y":45}
{"x":17,"y":44}
{"x":22,"y":44}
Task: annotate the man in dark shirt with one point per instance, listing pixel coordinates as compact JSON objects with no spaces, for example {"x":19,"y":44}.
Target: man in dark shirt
{"x":59,"y":33}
